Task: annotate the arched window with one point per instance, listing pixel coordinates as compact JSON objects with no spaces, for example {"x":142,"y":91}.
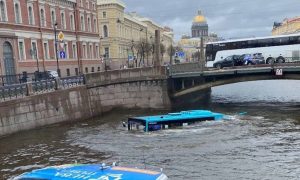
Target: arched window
{"x":17,"y":13}
{"x":95,"y":25}
{"x":72,"y":22}
{"x":82,"y":23}
{"x":89,"y":24}
{"x":2,"y":10}
{"x":63,"y":22}
{"x":53,"y":18}
{"x":30,"y":16}
{"x":105,"y":31}
{"x":42,"y":18}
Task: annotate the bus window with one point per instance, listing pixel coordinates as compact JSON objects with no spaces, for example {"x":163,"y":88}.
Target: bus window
{"x":294,"y":40}
{"x":242,"y":44}
{"x":296,"y":55}
{"x":265,"y":42}
{"x":280,"y":41}
{"x":252,"y":44}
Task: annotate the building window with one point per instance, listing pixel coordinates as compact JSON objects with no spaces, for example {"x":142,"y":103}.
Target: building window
{"x":89,"y":24}
{"x":76,"y":71}
{"x":99,"y":68}
{"x":66,"y":50}
{"x":86,"y":70}
{"x":93,"y":69}
{"x":46,"y":50}
{"x":84,"y":51}
{"x":34,"y":53}
{"x":104,"y":14}
{"x":105,"y":31}
{"x":30,"y":15}
{"x":68,"y":72}
{"x":43,"y":18}
{"x":21,"y":50}
{"x":3,"y":11}
{"x":95,"y":25}
{"x":72,"y":22}
{"x":53,"y":18}
{"x":17,"y":13}
{"x":106,"y":50}
{"x":97,"y":52}
{"x":91,"y":52}
{"x":63,"y":21}
{"x":82,"y":23}
{"x":74,"y":49}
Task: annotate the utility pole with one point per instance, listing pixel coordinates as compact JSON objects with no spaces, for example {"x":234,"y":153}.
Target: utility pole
{"x":55,"y":39}
{"x":157,"y":61}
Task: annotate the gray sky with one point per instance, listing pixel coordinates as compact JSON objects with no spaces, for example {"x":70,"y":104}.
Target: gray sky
{"x":228,"y":18}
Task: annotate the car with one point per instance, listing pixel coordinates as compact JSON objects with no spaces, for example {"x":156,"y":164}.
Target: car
{"x":52,"y":74}
{"x":228,"y":62}
{"x":252,"y":59}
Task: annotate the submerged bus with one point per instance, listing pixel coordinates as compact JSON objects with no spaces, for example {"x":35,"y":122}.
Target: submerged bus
{"x":278,"y":49}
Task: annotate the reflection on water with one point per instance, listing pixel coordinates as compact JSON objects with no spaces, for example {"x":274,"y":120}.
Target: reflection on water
{"x":263,"y":144}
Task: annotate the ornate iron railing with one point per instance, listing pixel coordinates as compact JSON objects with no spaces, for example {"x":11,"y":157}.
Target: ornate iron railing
{"x":13,"y":92}
{"x":70,"y":82}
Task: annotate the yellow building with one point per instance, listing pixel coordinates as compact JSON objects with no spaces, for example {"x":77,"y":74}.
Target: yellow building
{"x":121,"y":33}
{"x":199,"y":30}
{"x":288,"y":26}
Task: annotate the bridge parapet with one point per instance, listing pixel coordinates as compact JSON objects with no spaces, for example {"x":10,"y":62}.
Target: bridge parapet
{"x":125,"y":75}
{"x":186,"y":67}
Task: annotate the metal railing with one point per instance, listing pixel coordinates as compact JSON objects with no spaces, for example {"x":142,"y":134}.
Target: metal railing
{"x":15,"y":91}
{"x":70,"y":82}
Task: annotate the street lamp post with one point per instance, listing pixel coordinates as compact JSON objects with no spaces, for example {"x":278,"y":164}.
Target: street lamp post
{"x":55,"y":39}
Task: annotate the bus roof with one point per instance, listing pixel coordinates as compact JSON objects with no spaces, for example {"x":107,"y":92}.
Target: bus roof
{"x":256,"y":38}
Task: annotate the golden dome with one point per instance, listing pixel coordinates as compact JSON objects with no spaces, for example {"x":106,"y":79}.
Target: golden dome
{"x":199,"y":18}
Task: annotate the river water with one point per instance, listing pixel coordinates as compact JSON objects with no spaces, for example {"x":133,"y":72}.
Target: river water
{"x":263,"y":144}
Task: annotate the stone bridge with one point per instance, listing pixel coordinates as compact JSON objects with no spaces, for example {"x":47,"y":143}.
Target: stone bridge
{"x":188,"y":78}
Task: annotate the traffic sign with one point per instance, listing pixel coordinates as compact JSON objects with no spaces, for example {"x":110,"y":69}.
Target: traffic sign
{"x":181,"y":54}
{"x":62,"y":55}
{"x":61,"y":36}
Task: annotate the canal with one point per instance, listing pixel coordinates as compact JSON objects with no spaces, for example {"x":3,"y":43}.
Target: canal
{"x":263,"y":144}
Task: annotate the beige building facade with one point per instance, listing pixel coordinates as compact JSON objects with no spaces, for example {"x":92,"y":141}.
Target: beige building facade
{"x":122,"y":33}
{"x":288,"y":26}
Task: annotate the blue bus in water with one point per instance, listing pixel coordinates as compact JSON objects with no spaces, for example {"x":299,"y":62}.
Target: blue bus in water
{"x":91,"y":172}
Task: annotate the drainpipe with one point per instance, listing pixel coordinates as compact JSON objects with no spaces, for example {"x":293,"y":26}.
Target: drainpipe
{"x":41,"y":35}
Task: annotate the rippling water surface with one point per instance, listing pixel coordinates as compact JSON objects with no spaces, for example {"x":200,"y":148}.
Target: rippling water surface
{"x":263,"y":144}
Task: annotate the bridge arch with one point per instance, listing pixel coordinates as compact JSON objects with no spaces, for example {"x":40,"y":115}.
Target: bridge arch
{"x":210,"y":82}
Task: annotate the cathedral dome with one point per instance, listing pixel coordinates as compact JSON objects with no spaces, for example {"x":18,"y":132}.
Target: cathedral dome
{"x":199,"y":18}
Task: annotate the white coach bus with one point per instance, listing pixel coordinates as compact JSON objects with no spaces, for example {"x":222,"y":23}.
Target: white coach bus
{"x":279,"y":49}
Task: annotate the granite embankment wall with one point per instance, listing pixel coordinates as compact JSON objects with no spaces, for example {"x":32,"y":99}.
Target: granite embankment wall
{"x":84,"y":102}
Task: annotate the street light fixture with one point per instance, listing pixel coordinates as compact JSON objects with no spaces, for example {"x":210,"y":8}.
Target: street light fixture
{"x":56,"y":51}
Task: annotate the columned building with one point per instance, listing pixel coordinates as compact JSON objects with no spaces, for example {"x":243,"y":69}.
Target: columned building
{"x":27,"y":41}
{"x":200,"y":26}
{"x":119,"y":31}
